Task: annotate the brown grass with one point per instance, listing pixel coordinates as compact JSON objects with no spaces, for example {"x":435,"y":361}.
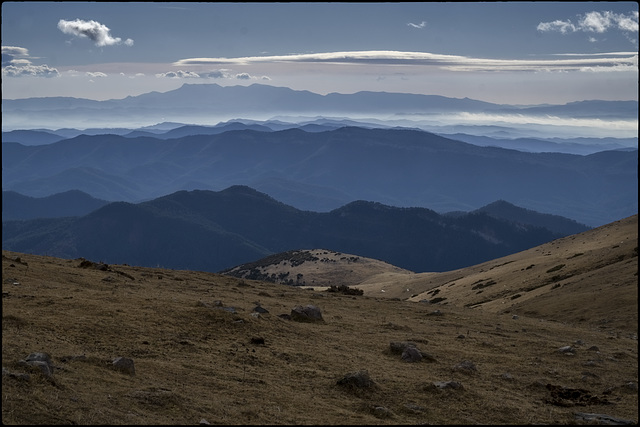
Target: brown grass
{"x":195,"y":360}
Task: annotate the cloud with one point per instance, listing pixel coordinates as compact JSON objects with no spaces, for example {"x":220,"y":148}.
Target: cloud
{"x":243,"y":76}
{"x":16,"y":62}
{"x":95,"y":74}
{"x":594,"y":22}
{"x":14,"y":51}
{"x":420,"y":25}
{"x":179,"y":75}
{"x":93,"y":30}
{"x":620,"y":60}
{"x":218,"y":74}
{"x":29,"y":71}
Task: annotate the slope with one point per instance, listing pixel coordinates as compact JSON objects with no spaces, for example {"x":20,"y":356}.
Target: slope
{"x":589,"y":278}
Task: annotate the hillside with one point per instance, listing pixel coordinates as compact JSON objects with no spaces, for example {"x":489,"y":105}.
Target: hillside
{"x":589,"y":278}
{"x":132,"y":345}
{"x":313,"y":267}
{"x":212,"y":231}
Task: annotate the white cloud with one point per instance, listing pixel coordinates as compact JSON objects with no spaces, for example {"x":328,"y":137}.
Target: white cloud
{"x":179,"y":75}
{"x":243,"y":76}
{"x":29,"y":71}
{"x":562,"y":26}
{"x":420,"y":25}
{"x":218,"y":74}
{"x":16,"y":62}
{"x":595,"y":22}
{"x":448,"y":62}
{"x":95,"y":74}
{"x":93,"y":30}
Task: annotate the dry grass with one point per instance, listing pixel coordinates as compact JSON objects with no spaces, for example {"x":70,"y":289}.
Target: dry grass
{"x":195,"y":360}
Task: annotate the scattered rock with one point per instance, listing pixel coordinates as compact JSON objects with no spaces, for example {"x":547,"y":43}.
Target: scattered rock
{"x":381,"y":412}
{"x":567,"y":349}
{"x":356,"y":380}
{"x":602,"y":419}
{"x":411,"y":355}
{"x":257,"y":340}
{"x":466,"y":367}
{"x":260,"y":309}
{"x":564,"y":396}
{"x":124,"y":365}
{"x":398,"y":347}
{"x":308,"y":313}
{"x":41,"y":361}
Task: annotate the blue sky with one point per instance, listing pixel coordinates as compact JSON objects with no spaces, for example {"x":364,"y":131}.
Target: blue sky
{"x":504,"y":52}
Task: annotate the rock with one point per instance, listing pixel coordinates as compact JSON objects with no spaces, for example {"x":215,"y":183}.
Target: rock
{"x":602,"y":419}
{"x":441,"y":385}
{"x":398,"y":347}
{"x":356,"y":380}
{"x":381,"y":412}
{"x":466,"y":367}
{"x":259,"y":309}
{"x":41,"y":361}
{"x":411,"y":355}
{"x":567,"y":349}
{"x":124,"y":365}
{"x":308,"y":313}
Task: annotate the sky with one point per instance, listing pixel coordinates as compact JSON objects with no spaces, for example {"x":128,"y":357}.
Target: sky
{"x":520,"y":53}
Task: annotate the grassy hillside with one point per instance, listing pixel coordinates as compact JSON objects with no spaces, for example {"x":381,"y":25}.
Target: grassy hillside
{"x":200,"y":352}
{"x":589,"y":278}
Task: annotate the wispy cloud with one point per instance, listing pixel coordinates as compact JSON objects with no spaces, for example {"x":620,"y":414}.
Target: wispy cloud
{"x":594,"y":22}
{"x":98,"y":33}
{"x":420,"y":25}
{"x":619,"y":60}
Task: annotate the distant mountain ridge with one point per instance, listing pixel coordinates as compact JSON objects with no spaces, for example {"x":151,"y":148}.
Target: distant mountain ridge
{"x":70,"y":203}
{"x":212,"y":231}
{"x":202,"y":102}
{"x":321,"y":171}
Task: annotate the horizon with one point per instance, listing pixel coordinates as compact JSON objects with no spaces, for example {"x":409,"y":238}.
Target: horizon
{"x":520,"y":53}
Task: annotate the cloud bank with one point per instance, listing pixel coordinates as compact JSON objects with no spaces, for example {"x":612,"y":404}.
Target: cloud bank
{"x":603,"y":62}
{"x":93,"y":30}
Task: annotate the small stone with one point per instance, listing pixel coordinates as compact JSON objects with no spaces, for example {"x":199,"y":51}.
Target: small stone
{"x":124,"y":365}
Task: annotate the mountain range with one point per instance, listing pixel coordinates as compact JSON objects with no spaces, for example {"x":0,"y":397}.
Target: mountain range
{"x":207,"y":103}
{"x":170,"y":130}
{"x":324,"y":170}
{"x":211,"y":231}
